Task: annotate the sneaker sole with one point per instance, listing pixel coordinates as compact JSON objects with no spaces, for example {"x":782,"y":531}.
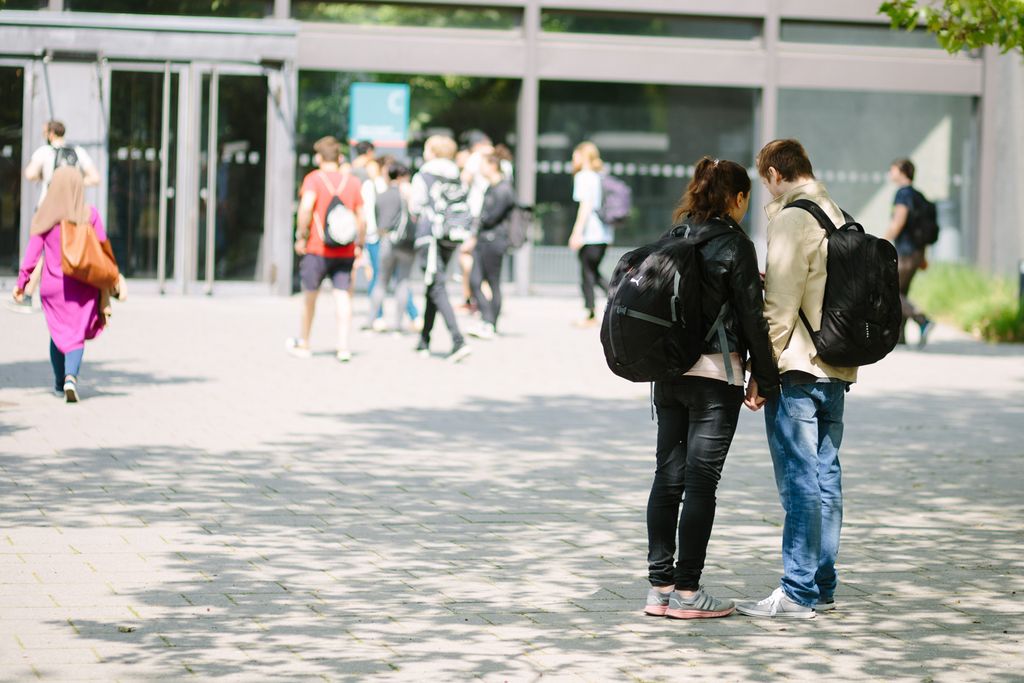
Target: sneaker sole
{"x":460,"y":355}
{"x":697,"y":613}
{"x":825,"y":607}
{"x":655,"y":610}
{"x":71,"y":395}
{"x":779,"y":615}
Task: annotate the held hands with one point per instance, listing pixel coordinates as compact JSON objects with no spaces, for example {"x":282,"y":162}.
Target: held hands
{"x":753,"y":400}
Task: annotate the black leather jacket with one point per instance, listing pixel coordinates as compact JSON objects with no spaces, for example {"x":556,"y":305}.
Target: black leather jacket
{"x":731,"y":275}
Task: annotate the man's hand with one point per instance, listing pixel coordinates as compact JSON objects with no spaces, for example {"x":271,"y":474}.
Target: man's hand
{"x":753,"y":400}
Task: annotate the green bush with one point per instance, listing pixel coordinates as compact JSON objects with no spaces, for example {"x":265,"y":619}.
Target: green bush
{"x":985,"y":305}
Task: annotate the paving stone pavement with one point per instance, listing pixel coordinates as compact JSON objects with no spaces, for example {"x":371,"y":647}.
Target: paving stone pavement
{"x":217,"y":510}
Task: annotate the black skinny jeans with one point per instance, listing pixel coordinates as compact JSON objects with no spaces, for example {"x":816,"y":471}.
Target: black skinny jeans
{"x":437,"y":299}
{"x":590,"y":261}
{"x":696,"y":422}
{"x":487,"y":260}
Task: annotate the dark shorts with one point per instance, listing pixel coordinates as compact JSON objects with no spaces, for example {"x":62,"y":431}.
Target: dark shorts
{"x":313,"y":269}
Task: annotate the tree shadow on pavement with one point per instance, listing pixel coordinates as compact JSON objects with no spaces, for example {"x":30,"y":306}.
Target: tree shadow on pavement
{"x":99,"y":377}
{"x":506,"y":539}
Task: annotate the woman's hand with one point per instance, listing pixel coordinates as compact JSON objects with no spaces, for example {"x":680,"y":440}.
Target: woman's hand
{"x":19,"y":294}
{"x":753,"y":400}
{"x":300,"y":246}
{"x":575,"y":242}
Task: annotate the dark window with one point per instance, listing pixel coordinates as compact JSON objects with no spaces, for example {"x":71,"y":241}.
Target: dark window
{"x":835,"y":33}
{"x":205,"y":8}
{"x":396,"y":14}
{"x":655,"y":25}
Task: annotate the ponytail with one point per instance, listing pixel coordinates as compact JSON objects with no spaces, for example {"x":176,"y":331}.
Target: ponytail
{"x":715,"y":182}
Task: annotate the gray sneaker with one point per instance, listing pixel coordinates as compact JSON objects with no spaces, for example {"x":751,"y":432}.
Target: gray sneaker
{"x":657,"y":603}
{"x":700,"y":605}
{"x":778,"y":605}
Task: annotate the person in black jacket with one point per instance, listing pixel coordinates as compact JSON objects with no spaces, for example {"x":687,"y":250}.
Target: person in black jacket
{"x":698,"y":412}
{"x":491,"y":244}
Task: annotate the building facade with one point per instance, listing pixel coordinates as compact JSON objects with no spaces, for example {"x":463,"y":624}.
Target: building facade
{"x":222,"y":100}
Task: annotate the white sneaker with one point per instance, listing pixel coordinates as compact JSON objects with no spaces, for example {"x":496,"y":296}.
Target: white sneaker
{"x":379,"y":325}
{"x":483,"y":331}
{"x":297,"y":348}
{"x":778,"y":605}
{"x":343,"y":356}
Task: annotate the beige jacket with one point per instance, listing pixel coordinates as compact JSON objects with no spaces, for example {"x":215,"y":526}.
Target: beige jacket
{"x":795,"y":279}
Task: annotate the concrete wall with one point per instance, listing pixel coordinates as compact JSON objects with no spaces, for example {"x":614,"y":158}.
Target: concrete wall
{"x":1008,"y":183}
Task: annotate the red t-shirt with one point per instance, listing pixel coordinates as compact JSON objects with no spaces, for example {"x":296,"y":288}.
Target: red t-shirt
{"x":327,"y":184}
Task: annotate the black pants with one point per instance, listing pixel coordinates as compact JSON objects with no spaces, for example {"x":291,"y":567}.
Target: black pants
{"x":590,"y":261}
{"x":909,"y":264}
{"x":696,"y":422}
{"x":437,"y":299}
{"x":487,"y":260}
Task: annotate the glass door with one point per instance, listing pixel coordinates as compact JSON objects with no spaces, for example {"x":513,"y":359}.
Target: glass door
{"x":142,"y":163}
{"x":12,"y":90}
{"x":232,"y":177}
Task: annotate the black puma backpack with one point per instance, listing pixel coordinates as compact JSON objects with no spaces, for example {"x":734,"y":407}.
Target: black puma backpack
{"x":652,"y":328}
{"x":860,"y":314}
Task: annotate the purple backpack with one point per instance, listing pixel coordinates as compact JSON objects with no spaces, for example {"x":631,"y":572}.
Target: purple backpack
{"x":616,"y":200}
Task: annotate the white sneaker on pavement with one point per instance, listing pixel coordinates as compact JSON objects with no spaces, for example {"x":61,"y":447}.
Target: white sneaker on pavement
{"x":778,"y":605}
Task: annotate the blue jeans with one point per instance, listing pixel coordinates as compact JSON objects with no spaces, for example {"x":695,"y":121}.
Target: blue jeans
{"x":374,"y":250}
{"x":805,"y":428}
{"x":64,"y":364}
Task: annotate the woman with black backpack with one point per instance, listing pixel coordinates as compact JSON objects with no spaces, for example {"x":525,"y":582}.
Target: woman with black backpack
{"x":698,"y":412}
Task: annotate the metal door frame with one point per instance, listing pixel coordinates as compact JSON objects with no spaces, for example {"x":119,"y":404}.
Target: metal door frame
{"x":206,"y":282}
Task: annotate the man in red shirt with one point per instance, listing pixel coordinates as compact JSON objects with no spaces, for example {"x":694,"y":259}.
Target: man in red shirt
{"x":329,"y":237}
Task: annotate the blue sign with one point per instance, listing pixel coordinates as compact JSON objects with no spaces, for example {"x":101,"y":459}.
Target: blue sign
{"x":379,"y":112}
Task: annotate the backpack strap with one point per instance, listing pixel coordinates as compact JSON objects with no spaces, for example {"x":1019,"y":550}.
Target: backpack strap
{"x":819,"y":214}
{"x":718,"y":327}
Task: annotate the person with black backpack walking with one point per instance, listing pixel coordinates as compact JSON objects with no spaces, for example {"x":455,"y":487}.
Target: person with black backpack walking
{"x":590,"y":235}
{"x":492,"y":240}
{"x":440,"y":210}
{"x":698,"y":411}
{"x":804,"y":421}
{"x":397,"y":247}
{"x":912,"y":229}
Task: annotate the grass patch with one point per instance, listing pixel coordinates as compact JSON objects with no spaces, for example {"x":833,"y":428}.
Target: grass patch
{"x":985,"y":305}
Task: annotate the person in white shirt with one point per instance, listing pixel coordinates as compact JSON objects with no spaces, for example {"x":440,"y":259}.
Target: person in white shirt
{"x":55,"y":153}
{"x":590,"y":235}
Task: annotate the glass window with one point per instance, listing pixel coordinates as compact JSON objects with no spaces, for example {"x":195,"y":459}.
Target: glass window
{"x":835,"y":33}
{"x":649,"y":135}
{"x":853,"y":137}
{"x":25,"y":4}
{"x":656,"y":25}
{"x":12,"y":89}
{"x":395,"y":14}
{"x":205,"y":8}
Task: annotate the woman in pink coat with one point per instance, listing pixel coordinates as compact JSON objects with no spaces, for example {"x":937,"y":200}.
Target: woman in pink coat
{"x":72,"y":308}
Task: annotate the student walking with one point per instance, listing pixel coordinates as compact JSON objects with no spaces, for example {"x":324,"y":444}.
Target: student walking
{"x":804,"y":421}
{"x":328,"y":237}
{"x":435,"y":188}
{"x":698,"y":412}
{"x":590,"y":235}
{"x":47,"y":158}
{"x":72,"y":308}
{"x":491,"y":244}
{"x":906,"y":209}
{"x":397,"y":249}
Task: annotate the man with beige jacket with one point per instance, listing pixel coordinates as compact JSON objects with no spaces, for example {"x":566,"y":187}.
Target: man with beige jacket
{"x":804,"y":420}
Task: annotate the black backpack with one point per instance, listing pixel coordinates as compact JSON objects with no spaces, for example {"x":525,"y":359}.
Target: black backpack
{"x":860,"y":314}
{"x":923,"y":222}
{"x":652,"y":328}
{"x":64,"y":156}
{"x":451,"y":221}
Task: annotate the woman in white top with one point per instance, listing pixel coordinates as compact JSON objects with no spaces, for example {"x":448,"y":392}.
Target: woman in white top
{"x":590,"y":235}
